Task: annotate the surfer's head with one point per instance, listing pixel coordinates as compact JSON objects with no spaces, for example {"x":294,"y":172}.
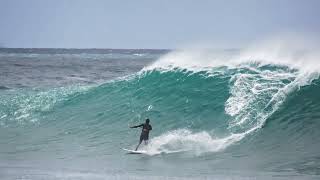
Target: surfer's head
{"x":147,"y":121}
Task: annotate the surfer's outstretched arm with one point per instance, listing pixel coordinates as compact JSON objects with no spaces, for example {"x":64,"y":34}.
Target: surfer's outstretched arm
{"x":137,"y":126}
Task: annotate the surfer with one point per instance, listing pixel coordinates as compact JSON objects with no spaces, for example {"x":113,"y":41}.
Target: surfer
{"x":146,"y":127}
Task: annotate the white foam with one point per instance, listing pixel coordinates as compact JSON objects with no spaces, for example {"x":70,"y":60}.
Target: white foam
{"x":183,"y":140}
{"x":190,"y":59}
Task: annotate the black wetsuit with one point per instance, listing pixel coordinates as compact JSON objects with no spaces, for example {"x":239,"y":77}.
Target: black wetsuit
{"x":145,"y":131}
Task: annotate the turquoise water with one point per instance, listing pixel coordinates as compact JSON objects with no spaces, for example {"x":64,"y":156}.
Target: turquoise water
{"x":240,"y":120}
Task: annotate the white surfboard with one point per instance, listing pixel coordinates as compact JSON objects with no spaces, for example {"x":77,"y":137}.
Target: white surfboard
{"x":134,"y":152}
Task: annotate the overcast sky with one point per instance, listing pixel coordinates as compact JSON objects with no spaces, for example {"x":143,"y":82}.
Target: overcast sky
{"x":150,"y":23}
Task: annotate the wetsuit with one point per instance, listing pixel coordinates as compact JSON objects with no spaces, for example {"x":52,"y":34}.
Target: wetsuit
{"x":145,"y":131}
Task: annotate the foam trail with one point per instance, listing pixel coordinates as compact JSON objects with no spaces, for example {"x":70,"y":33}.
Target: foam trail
{"x":183,"y":140}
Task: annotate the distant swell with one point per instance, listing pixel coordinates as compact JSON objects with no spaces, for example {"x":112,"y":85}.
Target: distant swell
{"x":4,"y":88}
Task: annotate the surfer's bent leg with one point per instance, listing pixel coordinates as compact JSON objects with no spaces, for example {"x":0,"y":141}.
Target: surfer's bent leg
{"x":140,"y":141}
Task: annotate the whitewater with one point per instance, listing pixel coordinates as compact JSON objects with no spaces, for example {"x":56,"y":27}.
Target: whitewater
{"x":216,"y":114}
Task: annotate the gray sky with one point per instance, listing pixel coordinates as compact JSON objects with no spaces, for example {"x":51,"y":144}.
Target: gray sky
{"x":150,"y":23}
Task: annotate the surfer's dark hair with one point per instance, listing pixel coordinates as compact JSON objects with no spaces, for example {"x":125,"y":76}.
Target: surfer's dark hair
{"x":147,"y":120}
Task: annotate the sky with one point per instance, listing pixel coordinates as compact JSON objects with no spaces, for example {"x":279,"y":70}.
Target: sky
{"x":151,"y":23}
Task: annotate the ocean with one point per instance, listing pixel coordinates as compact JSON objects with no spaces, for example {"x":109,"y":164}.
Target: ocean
{"x":216,"y":114}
